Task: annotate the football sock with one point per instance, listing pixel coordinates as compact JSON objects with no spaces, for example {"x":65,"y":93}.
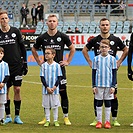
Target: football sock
{"x":2,"y":111}
{"x":7,"y":107}
{"x":55,"y":114}
{"x":99,"y":114}
{"x":47,"y":114}
{"x":114,"y":107}
{"x":64,"y":101}
{"x":95,"y":103}
{"x":107,"y":113}
{"x":17,"y":107}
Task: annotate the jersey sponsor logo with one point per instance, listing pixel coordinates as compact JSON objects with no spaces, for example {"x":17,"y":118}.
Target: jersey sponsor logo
{"x":63,"y":81}
{"x":56,"y":47}
{"x":13,"y":35}
{"x":18,"y":77}
{"x":59,"y":39}
{"x":9,"y":41}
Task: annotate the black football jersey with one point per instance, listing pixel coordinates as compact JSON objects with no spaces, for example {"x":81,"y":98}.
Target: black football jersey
{"x":115,"y":44}
{"x":58,"y":42}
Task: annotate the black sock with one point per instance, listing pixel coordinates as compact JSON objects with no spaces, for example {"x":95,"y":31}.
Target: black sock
{"x":114,"y":107}
{"x":7,"y":107}
{"x":64,"y":101}
{"x":95,"y":104}
{"x":17,"y":107}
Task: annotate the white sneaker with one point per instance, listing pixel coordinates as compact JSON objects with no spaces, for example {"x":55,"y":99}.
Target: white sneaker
{"x":27,"y":26}
{"x":21,"y":26}
{"x":131,"y":124}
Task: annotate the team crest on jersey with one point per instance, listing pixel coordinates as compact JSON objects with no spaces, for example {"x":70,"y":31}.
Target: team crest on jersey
{"x":58,"y":39}
{"x":112,"y":42}
{"x":13,"y":35}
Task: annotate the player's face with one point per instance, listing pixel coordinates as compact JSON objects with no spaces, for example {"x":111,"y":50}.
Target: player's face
{"x":4,"y":20}
{"x":52,"y":23}
{"x":49,"y":55}
{"x":104,"y":48}
{"x":104,"y":26}
{"x":1,"y":55}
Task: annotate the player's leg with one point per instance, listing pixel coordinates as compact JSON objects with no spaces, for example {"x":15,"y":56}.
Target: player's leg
{"x":17,"y":81}
{"x":17,"y":104}
{"x":95,"y":120}
{"x":8,"y":118}
{"x":114,"y":109}
{"x":65,"y":106}
{"x":99,"y":113}
{"x":64,"y":97}
{"x":107,"y":113}
{"x":55,"y":115}
{"x":2,"y":108}
{"x":47,"y":112}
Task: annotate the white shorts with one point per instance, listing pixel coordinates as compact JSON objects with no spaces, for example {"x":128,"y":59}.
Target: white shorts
{"x":3,"y":98}
{"x":50,"y":101}
{"x":103,"y":93}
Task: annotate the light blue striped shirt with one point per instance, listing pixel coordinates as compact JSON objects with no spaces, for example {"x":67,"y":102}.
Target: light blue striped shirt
{"x":50,"y":73}
{"x":4,"y":71}
{"x":104,"y":66}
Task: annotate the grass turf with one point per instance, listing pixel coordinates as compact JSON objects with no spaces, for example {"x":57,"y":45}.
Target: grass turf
{"x":80,"y":96}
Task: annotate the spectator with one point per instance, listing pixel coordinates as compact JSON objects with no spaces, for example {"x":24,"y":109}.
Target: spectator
{"x":122,"y":6}
{"x":115,"y":6}
{"x":34,"y":15}
{"x":24,"y":12}
{"x":77,"y":30}
{"x":69,"y":30}
{"x":40,"y":10}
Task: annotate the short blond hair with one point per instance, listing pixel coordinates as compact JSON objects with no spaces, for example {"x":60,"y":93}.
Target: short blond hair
{"x":105,"y":41}
{"x":52,"y":50}
{"x":3,"y":12}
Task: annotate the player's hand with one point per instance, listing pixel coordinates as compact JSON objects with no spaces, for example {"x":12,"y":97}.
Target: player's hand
{"x":130,"y":75}
{"x":112,"y":90}
{"x":24,"y":68}
{"x":94,"y":90}
{"x":64,"y":63}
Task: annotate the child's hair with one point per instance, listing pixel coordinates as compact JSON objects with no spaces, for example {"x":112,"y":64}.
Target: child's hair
{"x":1,"y":49}
{"x":105,"y":41}
{"x":52,"y":50}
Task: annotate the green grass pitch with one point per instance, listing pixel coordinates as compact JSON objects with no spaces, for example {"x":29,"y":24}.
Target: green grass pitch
{"x":80,"y":96}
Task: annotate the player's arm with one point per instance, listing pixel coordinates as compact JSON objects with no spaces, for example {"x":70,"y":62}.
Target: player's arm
{"x":114,"y":80}
{"x":4,"y":81}
{"x":86,"y":55}
{"x":94,"y":81}
{"x":36,"y":56}
{"x":123,"y":56}
{"x":129,"y":61}
{"x":70,"y":56}
{"x":57,"y":82}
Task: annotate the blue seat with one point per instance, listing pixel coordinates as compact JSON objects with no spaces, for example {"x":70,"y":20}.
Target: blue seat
{"x":85,"y":29}
{"x":80,"y":24}
{"x":17,"y":24}
{"x":118,"y":30}
{"x":125,"y":30}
